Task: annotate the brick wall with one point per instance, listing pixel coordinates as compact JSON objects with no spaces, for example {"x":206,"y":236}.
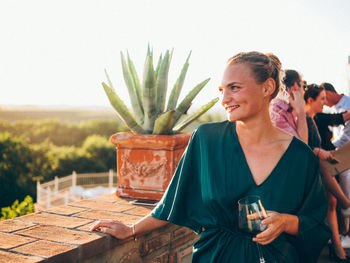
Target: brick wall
{"x":61,"y":234}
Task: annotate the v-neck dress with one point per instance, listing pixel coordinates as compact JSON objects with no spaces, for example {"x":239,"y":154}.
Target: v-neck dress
{"x":213,"y":175}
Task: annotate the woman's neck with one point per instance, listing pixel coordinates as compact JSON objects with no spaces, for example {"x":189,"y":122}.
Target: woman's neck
{"x":310,"y":111}
{"x":255,"y":130}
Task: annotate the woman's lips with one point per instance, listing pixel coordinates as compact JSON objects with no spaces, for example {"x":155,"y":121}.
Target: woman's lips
{"x":231,"y":108}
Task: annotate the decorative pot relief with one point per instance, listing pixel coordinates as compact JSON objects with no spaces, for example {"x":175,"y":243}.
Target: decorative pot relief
{"x":143,"y":169}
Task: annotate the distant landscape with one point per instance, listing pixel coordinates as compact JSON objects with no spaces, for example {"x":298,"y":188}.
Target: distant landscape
{"x":64,"y":113}
{"x":39,"y":143}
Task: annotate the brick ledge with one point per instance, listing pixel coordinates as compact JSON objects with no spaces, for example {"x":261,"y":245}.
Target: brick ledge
{"x":61,"y":234}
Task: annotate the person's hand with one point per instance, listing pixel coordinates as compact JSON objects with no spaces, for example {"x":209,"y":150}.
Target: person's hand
{"x":296,"y":100}
{"x":275,"y":226}
{"x":346,"y":115}
{"x":112,"y":227}
{"x":325,"y":155}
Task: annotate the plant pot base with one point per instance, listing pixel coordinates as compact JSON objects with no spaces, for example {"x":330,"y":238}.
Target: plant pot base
{"x":139,"y":194}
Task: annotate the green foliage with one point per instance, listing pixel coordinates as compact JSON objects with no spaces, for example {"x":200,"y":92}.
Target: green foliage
{"x":97,"y":154}
{"x":17,"y":163}
{"x":18,"y":209}
{"x":148,"y":99}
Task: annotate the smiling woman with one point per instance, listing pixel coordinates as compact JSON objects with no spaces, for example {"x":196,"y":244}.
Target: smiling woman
{"x":246,"y":155}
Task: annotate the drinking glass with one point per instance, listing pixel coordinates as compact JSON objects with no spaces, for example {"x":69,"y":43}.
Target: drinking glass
{"x":251,"y":213}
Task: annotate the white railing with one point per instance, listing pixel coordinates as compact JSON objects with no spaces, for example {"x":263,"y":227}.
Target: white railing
{"x":59,"y":191}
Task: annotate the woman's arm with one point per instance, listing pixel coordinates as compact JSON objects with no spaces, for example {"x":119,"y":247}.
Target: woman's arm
{"x":122,"y":231}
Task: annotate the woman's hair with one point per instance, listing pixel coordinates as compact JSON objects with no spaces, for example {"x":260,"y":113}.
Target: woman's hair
{"x":291,"y":76}
{"x":312,"y":91}
{"x":264,"y":66}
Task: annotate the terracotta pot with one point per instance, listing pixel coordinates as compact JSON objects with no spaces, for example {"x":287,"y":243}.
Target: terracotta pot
{"x":146,"y":163}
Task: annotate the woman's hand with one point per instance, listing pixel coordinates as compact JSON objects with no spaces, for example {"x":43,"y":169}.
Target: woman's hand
{"x":276,"y":224}
{"x":296,"y":100}
{"x":112,"y":227}
{"x":325,"y":155}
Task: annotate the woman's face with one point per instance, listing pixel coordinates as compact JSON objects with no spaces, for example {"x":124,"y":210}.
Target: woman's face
{"x":317,"y":104}
{"x":241,"y":97}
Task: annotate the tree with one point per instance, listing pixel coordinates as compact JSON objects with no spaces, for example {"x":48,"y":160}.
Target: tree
{"x":15,"y":174}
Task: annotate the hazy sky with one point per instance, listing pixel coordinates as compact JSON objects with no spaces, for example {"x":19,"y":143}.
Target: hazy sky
{"x":55,"y":52}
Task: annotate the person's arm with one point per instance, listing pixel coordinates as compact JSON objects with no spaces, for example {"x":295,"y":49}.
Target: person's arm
{"x":331,"y":119}
{"x":332,"y":185}
{"x":122,"y":231}
{"x":298,"y":103}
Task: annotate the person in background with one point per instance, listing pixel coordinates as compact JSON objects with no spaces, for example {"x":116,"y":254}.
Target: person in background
{"x":341,"y":103}
{"x":291,"y":117}
{"x":315,"y":98}
{"x":245,"y":155}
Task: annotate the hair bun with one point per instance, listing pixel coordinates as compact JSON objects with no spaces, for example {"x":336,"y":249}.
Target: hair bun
{"x":275,"y":61}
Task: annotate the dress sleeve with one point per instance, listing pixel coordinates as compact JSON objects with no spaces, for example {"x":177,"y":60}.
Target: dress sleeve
{"x":313,"y":231}
{"x":329,"y":119}
{"x":181,"y":203}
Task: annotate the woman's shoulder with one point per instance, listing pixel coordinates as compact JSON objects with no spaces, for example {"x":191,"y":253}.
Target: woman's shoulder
{"x":297,"y":145}
{"x":214,"y":130}
{"x":303,"y":150}
{"x":215,"y":126}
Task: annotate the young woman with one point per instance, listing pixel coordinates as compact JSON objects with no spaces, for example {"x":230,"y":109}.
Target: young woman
{"x":315,"y":98}
{"x":245,"y":155}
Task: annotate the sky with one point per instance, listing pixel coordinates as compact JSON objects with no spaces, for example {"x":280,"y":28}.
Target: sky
{"x":54,"y":53}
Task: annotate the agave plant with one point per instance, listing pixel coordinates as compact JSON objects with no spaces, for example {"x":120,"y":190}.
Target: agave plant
{"x":148,"y":98}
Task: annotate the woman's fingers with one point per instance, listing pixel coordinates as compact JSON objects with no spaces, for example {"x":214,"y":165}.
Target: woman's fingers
{"x":106,"y":230}
{"x":275,"y":228}
{"x":101,"y":223}
{"x":267,"y":236}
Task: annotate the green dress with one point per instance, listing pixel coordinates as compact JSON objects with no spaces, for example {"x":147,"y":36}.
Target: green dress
{"x":213,"y":175}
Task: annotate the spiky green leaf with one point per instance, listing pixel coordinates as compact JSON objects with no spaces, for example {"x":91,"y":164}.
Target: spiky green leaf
{"x":108,"y":79}
{"x":158,"y":65}
{"x":195,"y":115}
{"x":186,"y":102}
{"x":122,"y":110}
{"x":149,"y":94}
{"x":175,"y":92}
{"x":136,"y":106}
{"x":164,"y":123}
{"x":162,"y":83}
{"x":136,"y":83}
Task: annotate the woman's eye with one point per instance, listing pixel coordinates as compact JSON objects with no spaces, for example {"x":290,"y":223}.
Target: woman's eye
{"x":234,"y":87}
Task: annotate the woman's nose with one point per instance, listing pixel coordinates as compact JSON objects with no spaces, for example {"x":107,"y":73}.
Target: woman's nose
{"x":225,"y":97}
